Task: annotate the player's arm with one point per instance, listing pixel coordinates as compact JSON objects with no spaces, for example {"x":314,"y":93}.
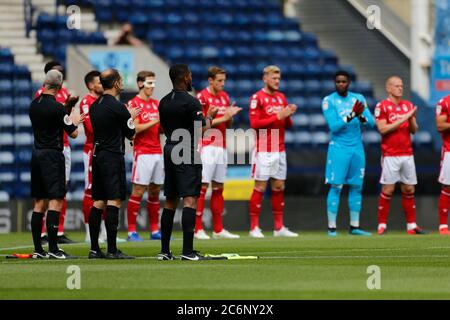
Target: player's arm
{"x":196,"y":113}
{"x":144,"y":126}
{"x":255,"y":118}
{"x":413,"y":126}
{"x":334,"y":121}
{"x":70,"y":122}
{"x":288,"y":123}
{"x":87,"y":120}
{"x":384,"y":128}
{"x":441,"y":123}
{"x":227,"y":117}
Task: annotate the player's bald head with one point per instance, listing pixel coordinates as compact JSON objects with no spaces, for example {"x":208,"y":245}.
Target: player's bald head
{"x":109,"y":77}
{"x":394,"y":86}
{"x":53,"y":79}
{"x":393,"y":79}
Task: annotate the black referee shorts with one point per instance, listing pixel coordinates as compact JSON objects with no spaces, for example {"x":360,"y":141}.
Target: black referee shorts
{"x":48,"y":174}
{"x":181,"y":180}
{"x":108,"y":176}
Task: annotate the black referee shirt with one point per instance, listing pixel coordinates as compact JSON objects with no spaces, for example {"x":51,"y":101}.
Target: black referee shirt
{"x":179,"y":110}
{"x":49,"y":119}
{"x":111,"y":123}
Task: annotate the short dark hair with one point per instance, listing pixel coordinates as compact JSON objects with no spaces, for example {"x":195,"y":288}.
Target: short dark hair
{"x":214,"y":71}
{"x":177,"y":72}
{"x":144,"y":74}
{"x":50,"y":65}
{"x":342,"y":73}
{"x":89,"y":77}
{"x":108,"y":78}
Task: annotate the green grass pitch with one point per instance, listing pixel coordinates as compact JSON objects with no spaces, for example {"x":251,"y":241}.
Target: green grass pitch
{"x":312,"y":266}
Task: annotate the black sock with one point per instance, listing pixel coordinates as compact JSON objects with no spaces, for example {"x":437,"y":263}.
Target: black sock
{"x":112,"y":224}
{"x":166,"y":229}
{"x":52,"y":230}
{"x":188,"y":224}
{"x":95,"y":219}
{"x":36,"y":229}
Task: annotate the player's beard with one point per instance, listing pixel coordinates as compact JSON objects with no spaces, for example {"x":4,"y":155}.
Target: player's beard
{"x":189,"y":86}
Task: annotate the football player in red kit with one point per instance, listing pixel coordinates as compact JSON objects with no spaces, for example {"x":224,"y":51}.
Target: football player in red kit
{"x":270,"y":116}
{"x":148,"y":164}
{"x":443,"y":125}
{"x":396,"y":121}
{"x":214,"y":153}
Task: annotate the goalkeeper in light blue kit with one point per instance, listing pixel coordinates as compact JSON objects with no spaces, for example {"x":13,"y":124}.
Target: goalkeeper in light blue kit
{"x":345,"y":113}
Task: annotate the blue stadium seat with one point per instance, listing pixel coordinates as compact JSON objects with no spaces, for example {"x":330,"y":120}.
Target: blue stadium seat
{"x":318,"y":122}
{"x":302,"y":139}
{"x":6,"y":87}
{"x":7,"y":141}
{"x":6,"y":71}
{"x":371,"y":138}
{"x":23,"y":139}
{"x":301,"y":103}
{"x":23,"y":156}
{"x":22,"y":72}
{"x":6,"y":123}
{"x":22,"y":87}
{"x":6,"y":56}
{"x":320,"y":139}
{"x":6,"y":105}
{"x":22,"y":123}
{"x":314,"y":104}
{"x":313,"y":87}
{"x":301,"y":121}
{"x":423,"y":139}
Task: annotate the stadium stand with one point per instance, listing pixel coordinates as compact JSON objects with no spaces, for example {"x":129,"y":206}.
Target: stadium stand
{"x":242,"y":36}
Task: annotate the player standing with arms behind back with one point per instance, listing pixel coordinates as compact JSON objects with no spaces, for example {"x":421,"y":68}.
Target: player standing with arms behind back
{"x":345,"y":112}
{"x":269,"y":116}
{"x":396,"y":121}
{"x":148,"y":164}
{"x":443,"y":126}
{"x":92,"y":82}
{"x":214,"y":153}
{"x":181,"y":114}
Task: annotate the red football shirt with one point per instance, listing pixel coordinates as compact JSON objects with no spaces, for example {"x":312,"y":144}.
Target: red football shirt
{"x":147,"y":142}
{"x":398,"y":142}
{"x":443,"y":108}
{"x":61,"y":97}
{"x":222,"y":101}
{"x":264,"y":108}
{"x":85,"y":106}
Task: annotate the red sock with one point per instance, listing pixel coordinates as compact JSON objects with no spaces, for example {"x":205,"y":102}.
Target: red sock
{"x":62,"y":217}
{"x":217,"y":204}
{"x":255,"y":208}
{"x":200,"y":208}
{"x":384,"y":204}
{"x":132,"y":212}
{"x":43,"y":230}
{"x":153,"y":213}
{"x":409,"y":205}
{"x":277,"y":208}
{"x":444,"y":205}
{"x":87,"y":204}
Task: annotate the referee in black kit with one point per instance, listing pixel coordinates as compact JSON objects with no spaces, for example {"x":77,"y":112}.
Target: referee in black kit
{"x":178,"y":112}
{"x":111,"y":122}
{"x":48,"y":175}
